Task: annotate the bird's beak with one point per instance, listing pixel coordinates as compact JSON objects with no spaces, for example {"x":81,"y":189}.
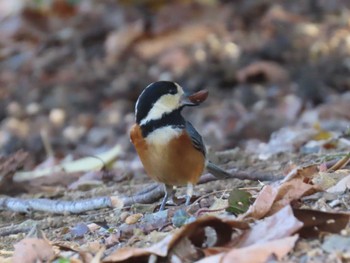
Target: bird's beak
{"x":194,"y":99}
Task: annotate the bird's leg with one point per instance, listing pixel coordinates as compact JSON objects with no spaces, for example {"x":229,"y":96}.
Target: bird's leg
{"x":169,"y":192}
{"x":189,"y":193}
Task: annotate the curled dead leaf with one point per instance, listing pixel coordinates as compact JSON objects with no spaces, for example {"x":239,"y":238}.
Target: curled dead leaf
{"x":270,"y":71}
{"x":274,"y":197}
{"x":280,"y":225}
{"x":33,"y":250}
{"x":316,"y":222}
{"x":194,"y":232}
{"x":260,"y":252}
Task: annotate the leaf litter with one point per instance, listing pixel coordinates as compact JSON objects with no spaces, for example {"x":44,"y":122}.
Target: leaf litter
{"x":267,"y":99}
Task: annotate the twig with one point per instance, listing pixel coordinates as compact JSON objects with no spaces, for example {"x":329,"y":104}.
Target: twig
{"x":148,"y":189}
{"x":254,"y":176}
{"x":146,"y":196}
{"x":207,"y":210}
{"x":206,"y":195}
{"x":143,"y":197}
{"x":341,"y":163}
{"x":56,"y":206}
{"x":46,"y":142}
{"x":24,"y":227}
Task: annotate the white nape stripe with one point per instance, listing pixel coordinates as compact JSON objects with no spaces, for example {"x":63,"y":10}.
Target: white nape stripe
{"x":163,"y":135}
{"x":165,"y":104}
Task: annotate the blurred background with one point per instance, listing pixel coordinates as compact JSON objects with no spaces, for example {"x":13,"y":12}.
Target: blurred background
{"x":71,"y":70}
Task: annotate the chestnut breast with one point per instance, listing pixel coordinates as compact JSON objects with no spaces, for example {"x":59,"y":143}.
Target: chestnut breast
{"x":173,"y":161}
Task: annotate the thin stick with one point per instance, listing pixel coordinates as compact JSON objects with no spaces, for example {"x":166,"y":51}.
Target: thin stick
{"x":340,"y":164}
{"x":46,"y":142}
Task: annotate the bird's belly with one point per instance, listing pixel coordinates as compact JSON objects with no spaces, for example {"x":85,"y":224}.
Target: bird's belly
{"x":176,"y":163}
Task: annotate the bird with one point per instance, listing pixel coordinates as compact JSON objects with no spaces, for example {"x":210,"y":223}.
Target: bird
{"x":170,"y":148}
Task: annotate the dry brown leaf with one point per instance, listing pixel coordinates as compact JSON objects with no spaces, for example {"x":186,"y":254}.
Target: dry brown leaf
{"x":177,"y":60}
{"x":271,"y":71}
{"x":63,"y":246}
{"x":316,"y":222}
{"x":341,"y":186}
{"x":119,"y":41}
{"x":187,"y":35}
{"x":33,"y":250}
{"x":290,"y":191}
{"x":8,"y":167}
{"x":262,"y":204}
{"x":306,"y":173}
{"x":274,"y":197}
{"x":277,"y":226}
{"x":279,"y":13}
{"x":268,"y":237}
{"x":63,"y":9}
{"x":260,"y":252}
{"x":256,"y":253}
{"x":193,"y":232}
{"x":160,"y":249}
{"x":338,"y":108}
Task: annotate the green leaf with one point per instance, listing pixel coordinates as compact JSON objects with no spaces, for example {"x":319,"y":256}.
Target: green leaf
{"x":180,"y":217}
{"x":63,"y":260}
{"x":238,"y":201}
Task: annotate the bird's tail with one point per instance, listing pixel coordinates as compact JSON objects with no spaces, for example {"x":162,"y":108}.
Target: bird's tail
{"x":217,"y":171}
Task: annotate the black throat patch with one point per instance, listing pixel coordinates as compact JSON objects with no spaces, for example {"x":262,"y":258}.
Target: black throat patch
{"x":172,"y":119}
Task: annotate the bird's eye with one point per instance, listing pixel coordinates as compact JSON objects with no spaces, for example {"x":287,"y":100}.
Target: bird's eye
{"x":173,"y":91}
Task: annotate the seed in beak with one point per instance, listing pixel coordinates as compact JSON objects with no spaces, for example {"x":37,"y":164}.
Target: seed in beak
{"x":199,"y":96}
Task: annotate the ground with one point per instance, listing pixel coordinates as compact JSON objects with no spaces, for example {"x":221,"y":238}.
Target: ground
{"x":278,"y":77}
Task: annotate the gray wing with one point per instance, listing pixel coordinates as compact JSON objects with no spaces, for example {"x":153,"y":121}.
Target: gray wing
{"x":195,"y":137}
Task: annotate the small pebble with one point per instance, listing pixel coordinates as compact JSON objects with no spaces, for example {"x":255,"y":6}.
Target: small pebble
{"x":57,"y":116}
{"x":132,"y":219}
{"x":32,"y":108}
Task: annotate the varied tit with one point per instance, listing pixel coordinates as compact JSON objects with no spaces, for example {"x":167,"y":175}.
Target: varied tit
{"x":171,"y":150}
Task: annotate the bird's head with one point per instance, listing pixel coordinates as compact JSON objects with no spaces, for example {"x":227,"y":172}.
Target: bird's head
{"x":162,"y":98}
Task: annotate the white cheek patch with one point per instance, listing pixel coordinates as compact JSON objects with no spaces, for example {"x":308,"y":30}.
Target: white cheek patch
{"x":166,"y":103}
{"x":163,"y":135}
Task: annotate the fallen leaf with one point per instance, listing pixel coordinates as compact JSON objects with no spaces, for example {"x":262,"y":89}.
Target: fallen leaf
{"x":341,"y":186}
{"x":257,"y":253}
{"x":193,"y":231}
{"x":306,"y":173}
{"x":87,"y":181}
{"x":316,"y":222}
{"x":119,"y":41}
{"x":260,"y":252}
{"x":30,"y":250}
{"x":184,"y":251}
{"x":8,"y":167}
{"x":270,"y":71}
{"x":280,"y":225}
{"x":238,"y":201}
{"x":290,"y":191}
{"x":274,"y":197}
{"x":176,"y":60}
{"x":181,"y":37}
{"x":180,"y":217}
{"x":81,"y":165}
{"x":325,"y":180}
{"x":262,"y":204}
